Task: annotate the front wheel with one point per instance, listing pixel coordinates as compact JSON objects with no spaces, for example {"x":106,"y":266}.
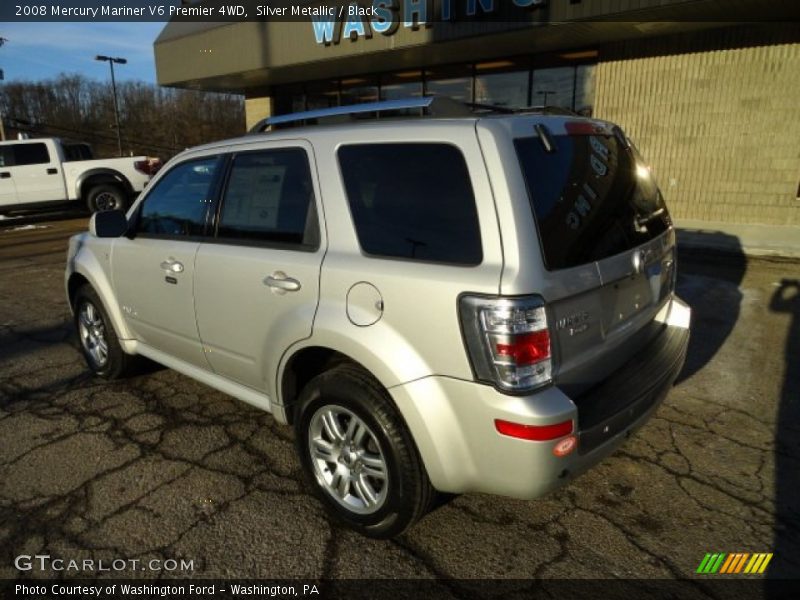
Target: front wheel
{"x":357,"y":454}
{"x":98,"y":339}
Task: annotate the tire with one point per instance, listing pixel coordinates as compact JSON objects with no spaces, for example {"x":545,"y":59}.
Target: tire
{"x":106,"y":197}
{"x":97,"y":338}
{"x":379,"y":486}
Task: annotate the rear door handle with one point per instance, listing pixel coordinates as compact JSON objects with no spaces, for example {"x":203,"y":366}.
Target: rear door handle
{"x":281,"y":283}
{"x":52,"y":171}
{"x":5,"y":175}
{"x":172,"y":265}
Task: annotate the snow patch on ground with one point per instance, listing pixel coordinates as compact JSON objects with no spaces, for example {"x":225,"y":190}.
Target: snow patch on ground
{"x":27,"y":227}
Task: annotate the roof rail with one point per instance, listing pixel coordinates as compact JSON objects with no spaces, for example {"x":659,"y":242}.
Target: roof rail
{"x":549,"y":110}
{"x":435,"y":106}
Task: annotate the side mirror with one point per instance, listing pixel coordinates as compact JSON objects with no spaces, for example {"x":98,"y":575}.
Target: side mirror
{"x":108,"y":224}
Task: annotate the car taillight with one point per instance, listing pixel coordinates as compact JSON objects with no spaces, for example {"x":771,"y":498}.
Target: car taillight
{"x":508,"y":341}
{"x":149,"y":166}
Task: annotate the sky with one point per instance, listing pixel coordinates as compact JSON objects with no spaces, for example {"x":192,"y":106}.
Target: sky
{"x":37,"y":51}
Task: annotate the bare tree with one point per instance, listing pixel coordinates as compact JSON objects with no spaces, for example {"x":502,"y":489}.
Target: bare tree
{"x":155,"y":121}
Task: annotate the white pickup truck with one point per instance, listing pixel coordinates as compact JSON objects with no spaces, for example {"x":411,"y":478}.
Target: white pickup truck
{"x":45,"y":172}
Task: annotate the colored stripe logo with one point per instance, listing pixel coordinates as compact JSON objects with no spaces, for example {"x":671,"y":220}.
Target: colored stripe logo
{"x":734,"y":563}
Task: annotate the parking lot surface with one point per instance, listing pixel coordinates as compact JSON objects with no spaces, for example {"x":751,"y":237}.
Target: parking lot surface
{"x":159,"y":466}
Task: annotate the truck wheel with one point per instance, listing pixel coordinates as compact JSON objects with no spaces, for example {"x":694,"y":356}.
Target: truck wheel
{"x":98,"y":340}
{"x":357,"y":455}
{"x":106,"y":197}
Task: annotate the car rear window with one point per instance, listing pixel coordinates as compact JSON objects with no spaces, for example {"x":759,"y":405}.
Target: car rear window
{"x":592,"y":196}
{"x":412,"y":201}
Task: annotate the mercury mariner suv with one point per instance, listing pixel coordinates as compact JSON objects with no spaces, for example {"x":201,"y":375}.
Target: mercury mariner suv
{"x":437,"y":300}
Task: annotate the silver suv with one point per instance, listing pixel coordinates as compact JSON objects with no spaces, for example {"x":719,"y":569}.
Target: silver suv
{"x":451,"y":302}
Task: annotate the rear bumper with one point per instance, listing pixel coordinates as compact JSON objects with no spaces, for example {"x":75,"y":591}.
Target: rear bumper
{"x":453,"y":420}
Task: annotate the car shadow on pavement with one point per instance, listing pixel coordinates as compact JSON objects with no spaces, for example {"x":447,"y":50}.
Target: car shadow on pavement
{"x":709,"y":281}
{"x":16,"y":344}
{"x":17,"y":219}
{"x":786,"y":545}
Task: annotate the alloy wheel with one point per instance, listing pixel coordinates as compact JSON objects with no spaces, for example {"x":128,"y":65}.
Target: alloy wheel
{"x":347,"y":459}
{"x":92,"y":332}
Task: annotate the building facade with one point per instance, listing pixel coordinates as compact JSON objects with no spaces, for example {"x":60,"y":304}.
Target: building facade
{"x":708,"y":89}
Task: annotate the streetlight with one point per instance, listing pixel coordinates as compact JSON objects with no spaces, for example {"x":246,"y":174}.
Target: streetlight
{"x":546,"y":93}
{"x":120,"y":61}
{"x":2,"y":77}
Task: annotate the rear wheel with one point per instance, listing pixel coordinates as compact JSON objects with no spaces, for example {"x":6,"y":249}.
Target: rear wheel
{"x":357,"y":454}
{"x":106,"y":197}
{"x":98,"y":339}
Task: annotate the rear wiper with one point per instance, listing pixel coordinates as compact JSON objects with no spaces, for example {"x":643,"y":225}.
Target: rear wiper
{"x":544,"y":136}
{"x":642,"y":220}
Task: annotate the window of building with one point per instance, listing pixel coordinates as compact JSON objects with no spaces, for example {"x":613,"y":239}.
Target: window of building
{"x":268,"y":198}
{"x":584,"y":90}
{"x":553,"y":87}
{"x":179,"y":203}
{"x":412,"y":201}
{"x":502,"y":83}
{"x":290,"y":99}
{"x":556,"y":81}
{"x":359,"y":89}
{"x":453,"y":82}
{"x":401,"y":85}
{"x":322,"y":94}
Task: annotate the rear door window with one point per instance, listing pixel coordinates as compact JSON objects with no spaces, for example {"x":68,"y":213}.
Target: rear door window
{"x":270,"y":198}
{"x":592,"y":196}
{"x":412,"y":201}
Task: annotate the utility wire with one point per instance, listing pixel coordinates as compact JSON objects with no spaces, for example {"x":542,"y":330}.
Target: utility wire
{"x":36,"y":128}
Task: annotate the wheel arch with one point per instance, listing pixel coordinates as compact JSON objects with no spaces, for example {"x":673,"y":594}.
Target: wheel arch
{"x":101,"y":176}
{"x":301,"y":367}
{"x":82,"y":276}
{"x":75,"y":282}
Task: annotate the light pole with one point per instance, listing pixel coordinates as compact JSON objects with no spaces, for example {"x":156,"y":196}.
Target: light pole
{"x":2,"y":77}
{"x":2,"y":125}
{"x":120,"y":61}
{"x":546,"y":93}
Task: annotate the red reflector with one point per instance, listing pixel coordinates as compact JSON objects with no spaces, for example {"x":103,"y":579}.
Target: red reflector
{"x":527,"y":348}
{"x":565,"y":446}
{"x":539,"y":433}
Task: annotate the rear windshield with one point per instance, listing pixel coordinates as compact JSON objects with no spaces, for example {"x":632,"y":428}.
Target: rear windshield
{"x":592,"y":197}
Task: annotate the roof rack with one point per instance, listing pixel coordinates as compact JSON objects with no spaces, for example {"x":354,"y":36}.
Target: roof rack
{"x":434,"y":106}
{"x":549,"y":110}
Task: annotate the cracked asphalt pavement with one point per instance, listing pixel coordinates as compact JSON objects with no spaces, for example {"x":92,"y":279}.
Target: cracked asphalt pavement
{"x":159,"y":466}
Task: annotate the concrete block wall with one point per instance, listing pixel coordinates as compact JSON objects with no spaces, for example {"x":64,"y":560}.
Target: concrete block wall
{"x":255,"y":109}
{"x":717,"y":115}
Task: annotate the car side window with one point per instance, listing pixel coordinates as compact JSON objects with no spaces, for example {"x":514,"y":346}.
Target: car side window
{"x":269,"y":197}
{"x":30,"y":154}
{"x":178,"y":205}
{"x":412,"y":201}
